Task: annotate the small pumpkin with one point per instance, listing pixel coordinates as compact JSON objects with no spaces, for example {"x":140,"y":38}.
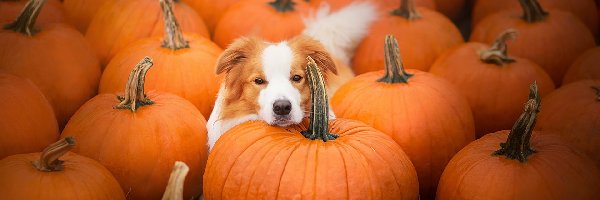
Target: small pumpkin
{"x":424,"y":114}
{"x":527,"y":165}
{"x":55,"y":57}
{"x":425,"y":32}
{"x":184,"y":64}
{"x":572,"y":112}
{"x":174,"y":189}
{"x":56,"y":173}
{"x":551,"y":39}
{"x":140,"y":135}
{"x":211,"y":11}
{"x":81,"y":12}
{"x":489,"y":78}
{"x":318,"y":159}
{"x":27,"y":122}
{"x":586,"y":66}
{"x":271,"y":20}
{"x":120,"y":23}
{"x":52,"y":12}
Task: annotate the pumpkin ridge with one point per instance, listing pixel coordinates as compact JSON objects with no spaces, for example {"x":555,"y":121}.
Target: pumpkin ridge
{"x":339,"y":147}
{"x":394,"y":68}
{"x":497,"y":53}
{"x":135,"y":96}
{"x":384,"y":160}
{"x":285,"y":165}
{"x":49,"y":158}
{"x":173,"y":38}
{"x":25,"y":22}
{"x":532,"y":11}
{"x":407,"y":10}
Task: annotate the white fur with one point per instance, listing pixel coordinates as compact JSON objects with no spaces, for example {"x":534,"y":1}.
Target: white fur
{"x":341,"y":32}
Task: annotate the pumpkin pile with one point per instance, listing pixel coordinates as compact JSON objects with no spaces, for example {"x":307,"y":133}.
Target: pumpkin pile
{"x":441,"y":99}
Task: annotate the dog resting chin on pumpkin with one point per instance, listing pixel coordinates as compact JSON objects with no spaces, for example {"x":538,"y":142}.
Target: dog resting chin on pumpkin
{"x":266,"y":80}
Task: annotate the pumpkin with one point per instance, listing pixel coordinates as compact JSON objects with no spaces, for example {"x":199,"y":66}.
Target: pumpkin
{"x":211,"y":11}
{"x":56,"y":173}
{"x":424,"y":114}
{"x":51,"y":13}
{"x":81,"y":12}
{"x":451,"y":8}
{"x":272,"y":20}
{"x":551,"y":39}
{"x":382,"y":4}
{"x":27,"y":122}
{"x":174,"y":189}
{"x":489,"y":78}
{"x":586,"y":66}
{"x":584,"y":10}
{"x":425,"y":32}
{"x":316,"y":159}
{"x":572,"y":112}
{"x":140,"y":135}
{"x":527,"y":165}
{"x":185,"y":64}
{"x":55,"y":57}
{"x":120,"y":23}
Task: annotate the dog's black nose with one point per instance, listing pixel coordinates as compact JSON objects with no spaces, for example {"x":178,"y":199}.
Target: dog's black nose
{"x":282,"y":107}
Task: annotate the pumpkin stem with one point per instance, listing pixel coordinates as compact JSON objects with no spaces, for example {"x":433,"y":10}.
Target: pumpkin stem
{"x":597,"y":89}
{"x":49,"y":161}
{"x":173,"y":36}
{"x":407,"y":10}
{"x":283,"y":5}
{"x":532,"y":11}
{"x":517,"y":144}
{"x":497,"y":54}
{"x":394,"y":69}
{"x":134,"y":89}
{"x":25,"y":22}
{"x":319,"y":115}
{"x":174,"y":189}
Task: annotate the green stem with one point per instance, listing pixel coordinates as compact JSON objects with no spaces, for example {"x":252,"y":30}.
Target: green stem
{"x":597,"y":89}
{"x":517,"y":145}
{"x":134,"y":89}
{"x":319,"y":115}
{"x":407,"y":10}
{"x":497,"y":54}
{"x":25,"y":22}
{"x":283,"y":5}
{"x":174,"y":189}
{"x":173,"y":36}
{"x":532,"y":11}
{"x":394,"y":68}
{"x":49,"y":158}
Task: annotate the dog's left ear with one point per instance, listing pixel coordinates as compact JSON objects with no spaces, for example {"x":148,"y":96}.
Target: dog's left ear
{"x":313,"y":48}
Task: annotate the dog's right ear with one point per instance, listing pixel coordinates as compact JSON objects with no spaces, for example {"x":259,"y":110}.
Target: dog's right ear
{"x":236,"y":53}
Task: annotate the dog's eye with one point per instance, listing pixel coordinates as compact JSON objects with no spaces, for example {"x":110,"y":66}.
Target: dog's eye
{"x":259,"y":81}
{"x":297,"y":78}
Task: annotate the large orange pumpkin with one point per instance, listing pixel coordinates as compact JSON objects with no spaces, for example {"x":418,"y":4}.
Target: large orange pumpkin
{"x":584,"y":10}
{"x":52,"y":12}
{"x":56,"y":173}
{"x":586,"y":66}
{"x":306,"y":161}
{"x":425,"y":32}
{"x":185,"y":65}
{"x":490,"y":80}
{"x":140,"y":135}
{"x":516,"y":165}
{"x":27,"y":122}
{"x":572,"y":112}
{"x":211,"y":11}
{"x":272,"y":20}
{"x":421,"y":112}
{"x":120,"y":23}
{"x":551,"y":39}
{"x":81,"y":12}
{"x":55,"y":57}
{"x":382,"y":4}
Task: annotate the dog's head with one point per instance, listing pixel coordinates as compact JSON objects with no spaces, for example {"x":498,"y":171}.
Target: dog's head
{"x":269,"y":79}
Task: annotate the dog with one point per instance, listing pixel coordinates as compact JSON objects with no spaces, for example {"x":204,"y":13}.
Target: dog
{"x":266,"y":81}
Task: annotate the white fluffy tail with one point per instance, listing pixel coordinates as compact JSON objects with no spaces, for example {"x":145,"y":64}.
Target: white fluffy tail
{"x":340,"y":32}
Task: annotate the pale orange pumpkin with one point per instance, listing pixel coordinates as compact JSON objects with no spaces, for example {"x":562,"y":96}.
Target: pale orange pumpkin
{"x":81,"y":12}
{"x":211,"y":11}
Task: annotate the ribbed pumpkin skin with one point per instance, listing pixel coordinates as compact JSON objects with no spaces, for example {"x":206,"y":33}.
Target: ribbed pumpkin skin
{"x":81,"y":12}
{"x":58,"y":60}
{"x":257,"y":161}
{"x":211,"y":11}
{"x":427,"y":117}
{"x":573,"y":112}
{"x":258,"y":18}
{"x":495,"y":93}
{"x":553,"y":43}
{"x":140,"y":148}
{"x":120,"y":23}
{"x":52,"y":11}
{"x":189,"y":73}
{"x":426,"y":38}
{"x":556,"y":171}
{"x":382,"y":4}
{"x":81,"y":178}
{"x":586,"y":66}
{"x":584,"y":10}
{"x":28,"y":124}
